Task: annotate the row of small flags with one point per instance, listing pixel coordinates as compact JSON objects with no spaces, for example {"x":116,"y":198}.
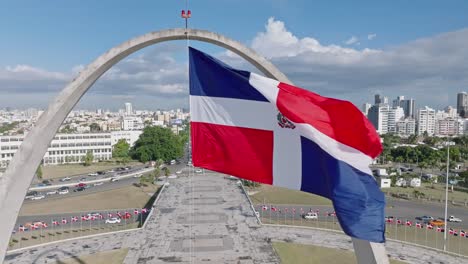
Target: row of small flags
{"x":428,"y":226}
{"x":74,"y":219}
{"x":293,"y":210}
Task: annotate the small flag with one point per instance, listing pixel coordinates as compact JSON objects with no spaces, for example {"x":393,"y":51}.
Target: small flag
{"x":100,"y":216}
{"x":409,"y":223}
{"x":144,"y":210}
{"x":462,"y":233}
{"x":418,"y":225}
{"x":429,"y":226}
{"x":74,"y":219}
{"x":54,"y":222}
{"x":44,"y":225}
{"x":109,"y":215}
{"x":135,"y":212}
{"x":21,"y":228}
{"x":64,"y":221}
{"x":399,"y":221}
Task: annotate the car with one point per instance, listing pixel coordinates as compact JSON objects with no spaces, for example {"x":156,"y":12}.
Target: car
{"x":81,"y":184}
{"x":30,"y":195}
{"x":111,"y":170}
{"x":437,"y":222}
{"x":178,"y":172}
{"x":92,"y":174}
{"x":113,"y":220}
{"x":79,"y":189}
{"x":172,"y":176}
{"x":101,"y":172}
{"x":63,"y":191}
{"x":425,"y":218}
{"x":82,"y":179}
{"x":51,"y":192}
{"x":137,"y":175}
{"x":65,"y":179}
{"x":98,"y":183}
{"x":38,"y":197}
{"x":113,"y":179}
{"x":454,"y":219}
{"x":173,"y":162}
{"x":47,"y":182}
{"x":93,"y":214}
{"x":310,"y":215}
{"x":198,"y":171}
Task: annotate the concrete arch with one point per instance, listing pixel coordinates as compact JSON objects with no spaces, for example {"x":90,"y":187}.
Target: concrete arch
{"x":19,"y":174}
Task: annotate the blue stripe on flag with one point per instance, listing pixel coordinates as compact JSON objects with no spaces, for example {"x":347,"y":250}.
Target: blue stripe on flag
{"x":356,"y":197}
{"x":211,"y":77}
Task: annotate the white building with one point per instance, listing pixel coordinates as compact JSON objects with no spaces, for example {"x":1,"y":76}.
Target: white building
{"x":365,"y":108}
{"x":406,"y":127}
{"x":394,"y":115}
{"x":378,"y":115}
{"x":132,"y":123}
{"x":128,"y":109}
{"x":64,"y":148}
{"x":426,"y":121}
{"x":449,"y":127}
{"x":130,"y":136}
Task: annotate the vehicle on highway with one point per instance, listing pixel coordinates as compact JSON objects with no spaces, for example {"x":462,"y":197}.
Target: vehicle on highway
{"x":92,"y":174}
{"x":454,"y":219}
{"x":51,"y":192}
{"x":79,"y":189}
{"x":98,"y":183}
{"x":172,"y":176}
{"x":111,"y":170}
{"x":137,"y":175}
{"x":198,"y":171}
{"x":93,"y":214}
{"x":65,"y":179}
{"x":113,"y":179}
{"x":437,"y":222}
{"x":30,"y":195}
{"x":178,"y":172}
{"x":63,"y":191}
{"x":113,"y":220}
{"x":310,"y":215}
{"x":38,"y":197}
{"x":101,"y":172}
{"x":81,"y":184}
{"x":425,"y":218}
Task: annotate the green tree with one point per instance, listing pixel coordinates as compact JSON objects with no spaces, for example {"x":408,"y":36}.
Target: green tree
{"x":39,"y":172}
{"x":157,"y":143}
{"x":121,"y":149}
{"x":94,"y":127}
{"x":88,"y":159}
{"x":166,"y":170}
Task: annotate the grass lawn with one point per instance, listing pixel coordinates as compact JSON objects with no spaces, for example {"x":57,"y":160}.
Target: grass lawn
{"x":278,"y":195}
{"x":111,"y":256}
{"x":126,"y":197}
{"x":59,"y":171}
{"x":291,"y":253}
{"x":437,"y":193}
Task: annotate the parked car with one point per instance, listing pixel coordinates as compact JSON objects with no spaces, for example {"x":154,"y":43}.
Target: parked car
{"x":454,"y":219}
{"x":178,"y":172}
{"x":65,"y":179}
{"x":437,"y":222}
{"x":198,"y":171}
{"x":30,"y":195}
{"x":83,"y":179}
{"x":92,"y":174}
{"x":51,"y":192}
{"x":79,"y":189}
{"x":310,"y":215}
{"x":101,"y":172}
{"x":38,"y":197}
{"x":47,"y":182}
{"x":113,"y":220}
{"x":63,"y":191}
{"x":113,"y":179}
{"x":425,"y":218}
{"x":137,"y":175}
{"x":93,"y":214}
{"x":98,"y":183}
{"x":81,"y":184}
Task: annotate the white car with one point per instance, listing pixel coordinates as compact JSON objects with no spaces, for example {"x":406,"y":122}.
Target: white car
{"x":38,"y":197}
{"x":178,"y":172}
{"x":51,"y":192}
{"x":172,"y":177}
{"x":92,"y":174}
{"x":98,"y":183}
{"x":114,"y":179}
{"x":65,"y":179}
{"x":63,"y":191}
{"x":454,"y":219}
{"x":198,"y":171}
{"x":113,"y":220}
{"x":310,"y":215}
{"x":137,"y":175}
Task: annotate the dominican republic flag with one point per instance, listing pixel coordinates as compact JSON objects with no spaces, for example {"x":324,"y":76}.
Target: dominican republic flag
{"x":259,"y":129}
{"x":84,"y":218}
{"x":74,"y":219}
{"x":64,"y":221}
{"x":54,"y":222}
{"x":21,"y":228}
{"x":144,"y":210}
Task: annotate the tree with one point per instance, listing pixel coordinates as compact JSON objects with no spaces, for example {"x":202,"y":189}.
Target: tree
{"x":94,"y":127}
{"x":88,"y":159}
{"x":39,"y":172}
{"x":121,"y":149}
{"x":166,"y":170}
{"x":157,"y":143}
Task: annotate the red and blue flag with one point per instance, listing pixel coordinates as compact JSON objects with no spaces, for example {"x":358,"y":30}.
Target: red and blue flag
{"x":270,"y":132}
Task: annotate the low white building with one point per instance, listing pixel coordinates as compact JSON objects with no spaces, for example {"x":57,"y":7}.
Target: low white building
{"x":64,"y":148}
{"x":131,"y":136}
{"x":385,"y":183}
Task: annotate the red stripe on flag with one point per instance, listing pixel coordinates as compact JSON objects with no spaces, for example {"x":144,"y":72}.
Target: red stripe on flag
{"x":338,"y":119}
{"x":243,"y":152}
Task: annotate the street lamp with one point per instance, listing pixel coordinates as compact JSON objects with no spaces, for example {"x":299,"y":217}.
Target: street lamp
{"x":448,"y":144}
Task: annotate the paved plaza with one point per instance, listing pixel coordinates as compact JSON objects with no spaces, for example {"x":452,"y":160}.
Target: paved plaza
{"x":208,"y":219}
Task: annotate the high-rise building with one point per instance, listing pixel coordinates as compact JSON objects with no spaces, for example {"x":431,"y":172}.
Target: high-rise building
{"x":394,"y":115}
{"x":406,"y":127}
{"x":365,"y":108}
{"x":378,"y":116}
{"x":128,"y":109}
{"x":462,"y":104}
{"x":426,"y":121}
{"x":406,"y":104}
{"x":378,"y":99}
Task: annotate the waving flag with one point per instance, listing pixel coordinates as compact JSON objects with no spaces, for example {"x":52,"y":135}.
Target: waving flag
{"x":262,"y":130}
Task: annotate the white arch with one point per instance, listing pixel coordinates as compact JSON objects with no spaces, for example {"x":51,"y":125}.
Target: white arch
{"x":20,"y":172}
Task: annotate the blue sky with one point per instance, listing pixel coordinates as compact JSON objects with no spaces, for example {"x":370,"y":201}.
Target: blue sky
{"x":51,"y":38}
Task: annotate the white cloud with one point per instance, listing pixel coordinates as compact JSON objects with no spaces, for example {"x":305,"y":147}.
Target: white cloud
{"x":371,"y":36}
{"x":352,"y":40}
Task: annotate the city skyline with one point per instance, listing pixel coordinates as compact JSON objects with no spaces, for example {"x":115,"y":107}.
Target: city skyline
{"x":338,"y":55}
